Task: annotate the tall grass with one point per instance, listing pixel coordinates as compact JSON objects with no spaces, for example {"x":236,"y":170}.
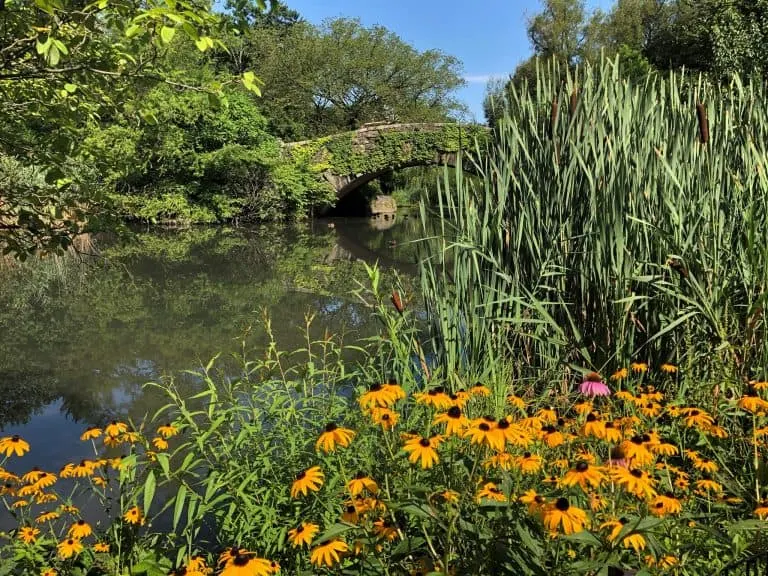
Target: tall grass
{"x":611,"y":220}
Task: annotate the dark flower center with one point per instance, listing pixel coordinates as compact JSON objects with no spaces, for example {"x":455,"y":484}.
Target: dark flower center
{"x":424,"y":442}
{"x":489,"y":419}
{"x":609,"y":425}
{"x":15,"y":438}
{"x":582,"y":467}
{"x":300,"y":529}
{"x":240,"y":560}
{"x":637,"y":440}
{"x":392,"y":382}
{"x":503,"y":424}
{"x":649,"y":405}
{"x":454,"y":412}
{"x":433,"y":392}
{"x":549,"y":429}
{"x":439,"y":389}
{"x":562,"y":504}
{"x":659,"y":505}
{"x":385,"y":417}
{"x":623,"y":521}
{"x":360,"y":475}
{"x":484,"y":427}
{"x":645,"y":438}
{"x":350,"y":509}
{"x":301,"y":475}
{"x":330,"y":427}
{"x":80,"y":522}
{"x":527,"y":455}
{"x":591,"y":417}
{"x":375,"y":388}
{"x":694,"y":413}
{"x":560,"y":422}
{"x":70,"y":542}
{"x":636,"y":473}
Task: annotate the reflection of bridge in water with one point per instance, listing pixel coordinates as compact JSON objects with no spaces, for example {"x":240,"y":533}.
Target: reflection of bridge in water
{"x":350,"y":246}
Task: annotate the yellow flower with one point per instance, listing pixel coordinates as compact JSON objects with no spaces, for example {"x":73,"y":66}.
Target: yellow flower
{"x":706,"y":465}
{"x":636,"y":452}
{"x":47,"y":517}
{"x":450,"y":496}
{"x":11,"y":445}
{"x":83,"y":469}
{"x":167,"y":430}
{"x":70,"y":547}
{"x":512,"y":433}
{"x":534,"y":501}
{"x":696,"y":417}
{"x":552,"y":436}
{"x":328,"y":554}
{"x":482,"y":432}
{"x":384,"y":417}
{"x":752,"y":403}
{"x":593,"y":426}
{"x":480,"y":390}
{"x":28,"y":535}
{"x":134,"y":516}
{"x":423,"y":450}
{"x":334,"y":435}
{"x":454,"y":420}
{"x":706,"y":485}
{"x":502,"y":460}
{"x":381,"y":395}
{"x":639,"y":367}
{"x":529,"y":463}
{"x":306,"y":480}
{"x":79,"y":530}
{"x":490,"y":491}
{"x":635,"y":482}
{"x":664,"y":504}
{"x":115,"y":428}
{"x":668,"y":368}
{"x":437,"y":398}
{"x":103,"y":547}
{"x":90,"y":433}
{"x":620,"y":374}
{"x":302,"y":535}
{"x":32,"y":476}
{"x":385,"y":529}
{"x":248,"y":565}
{"x":516,"y":401}
{"x":362,"y":482}
{"x":160,"y":443}
{"x":49,"y":572}
{"x":762,"y":510}
{"x":561,"y":515}
{"x":631,"y":540}
{"x":584,"y":475}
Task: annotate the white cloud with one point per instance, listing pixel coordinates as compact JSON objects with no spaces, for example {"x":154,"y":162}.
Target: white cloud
{"x":481,"y":78}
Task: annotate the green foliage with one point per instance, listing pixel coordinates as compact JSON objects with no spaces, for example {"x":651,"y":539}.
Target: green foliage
{"x":604,"y":227}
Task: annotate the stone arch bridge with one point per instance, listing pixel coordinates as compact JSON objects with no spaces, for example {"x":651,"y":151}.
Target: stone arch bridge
{"x":349,"y":160}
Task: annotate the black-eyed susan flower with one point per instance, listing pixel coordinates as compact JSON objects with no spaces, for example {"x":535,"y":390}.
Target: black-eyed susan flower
{"x":706,"y":465}
{"x":490,"y":491}
{"x":636,"y":452}
{"x":49,"y":572}
{"x":13,"y":445}
{"x":28,"y":535}
{"x":751,"y":402}
{"x":69,"y":547}
{"x":561,"y":516}
{"x":378,"y":395}
{"x":761,"y":511}
{"x":626,"y":396}
{"x":167,"y":430}
{"x":160,"y":443}
{"x":706,"y":486}
{"x":91,"y":433}
{"x":512,"y":433}
{"x":46,"y":517}
{"x":552,"y":437}
{"x":79,"y":530}
{"x":302,"y":535}
{"x":535,"y":502}
{"x":21,"y":503}
{"x":547,"y":415}
{"x":248,"y":565}
{"x":29,"y":490}
{"x":361,"y":482}
{"x":664,"y":504}
{"x":134,"y":516}
{"x":385,"y":529}
{"x":384,"y":417}
{"x":633,"y":540}
{"x":45,"y":498}
{"x":597,"y":502}
{"x":583,"y":408}
{"x":668,"y":368}
{"x":45,"y":480}
{"x":635,"y":481}
{"x":516,"y":401}
{"x":650,"y":409}
{"x":663,"y":449}
{"x":696,"y":417}
{"x":612,"y":433}
{"x":639,"y":367}
{"x":437,"y":398}
{"x":32,"y":476}
{"x":584,"y":475}
{"x":423,"y":450}
{"x":350,"y":515}
{"x":231,"y":553}
{"x":103,"y":548}
{"x":620,"y":374}
{"x":479,"y":389}
{"x":115,"y":428}
{"x":450,"y":496}
{"x":328,"y":554}
{"x":593,"y":426}
{"x":69,"y":509}
{"x":483,"y":432}
{"x":528,"y":463}
{"x":307,"y":480}
{"x":501,"y":460}
{"x":455,"y":421}
{"x":333,"y":435}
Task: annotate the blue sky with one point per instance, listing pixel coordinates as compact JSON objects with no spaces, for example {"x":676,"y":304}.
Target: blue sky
{"x":487,"y":35}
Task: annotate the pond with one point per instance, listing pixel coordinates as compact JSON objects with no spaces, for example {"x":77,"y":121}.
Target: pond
{"x":80,"y":337}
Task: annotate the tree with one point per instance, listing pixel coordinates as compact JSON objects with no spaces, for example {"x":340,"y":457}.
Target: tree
{"x":559,"y":30}
{"x":338,"y":76}
{"x":64,"y":63}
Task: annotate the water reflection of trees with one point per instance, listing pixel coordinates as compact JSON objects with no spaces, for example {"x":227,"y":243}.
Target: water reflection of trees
{"x":168,"y":301}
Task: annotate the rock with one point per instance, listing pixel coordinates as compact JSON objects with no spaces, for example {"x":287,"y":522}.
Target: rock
{"x":383,"y":205}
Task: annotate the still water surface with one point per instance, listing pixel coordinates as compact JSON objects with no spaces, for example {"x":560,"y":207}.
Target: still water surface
{"x":79,"y":340}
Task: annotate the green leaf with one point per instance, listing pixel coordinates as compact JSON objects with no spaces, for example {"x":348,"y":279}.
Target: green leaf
{"x":178,"y":506}
{"x":167,"y":33}
{"x":133,"y":30}
{"x":334,"y":531}
{"x":149,"y":491}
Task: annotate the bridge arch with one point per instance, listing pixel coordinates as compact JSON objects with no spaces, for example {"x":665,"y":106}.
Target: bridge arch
{"x":349,"y":160}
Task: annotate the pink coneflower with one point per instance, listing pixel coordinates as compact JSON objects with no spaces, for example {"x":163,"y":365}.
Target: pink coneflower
{"x":594,"y":386}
